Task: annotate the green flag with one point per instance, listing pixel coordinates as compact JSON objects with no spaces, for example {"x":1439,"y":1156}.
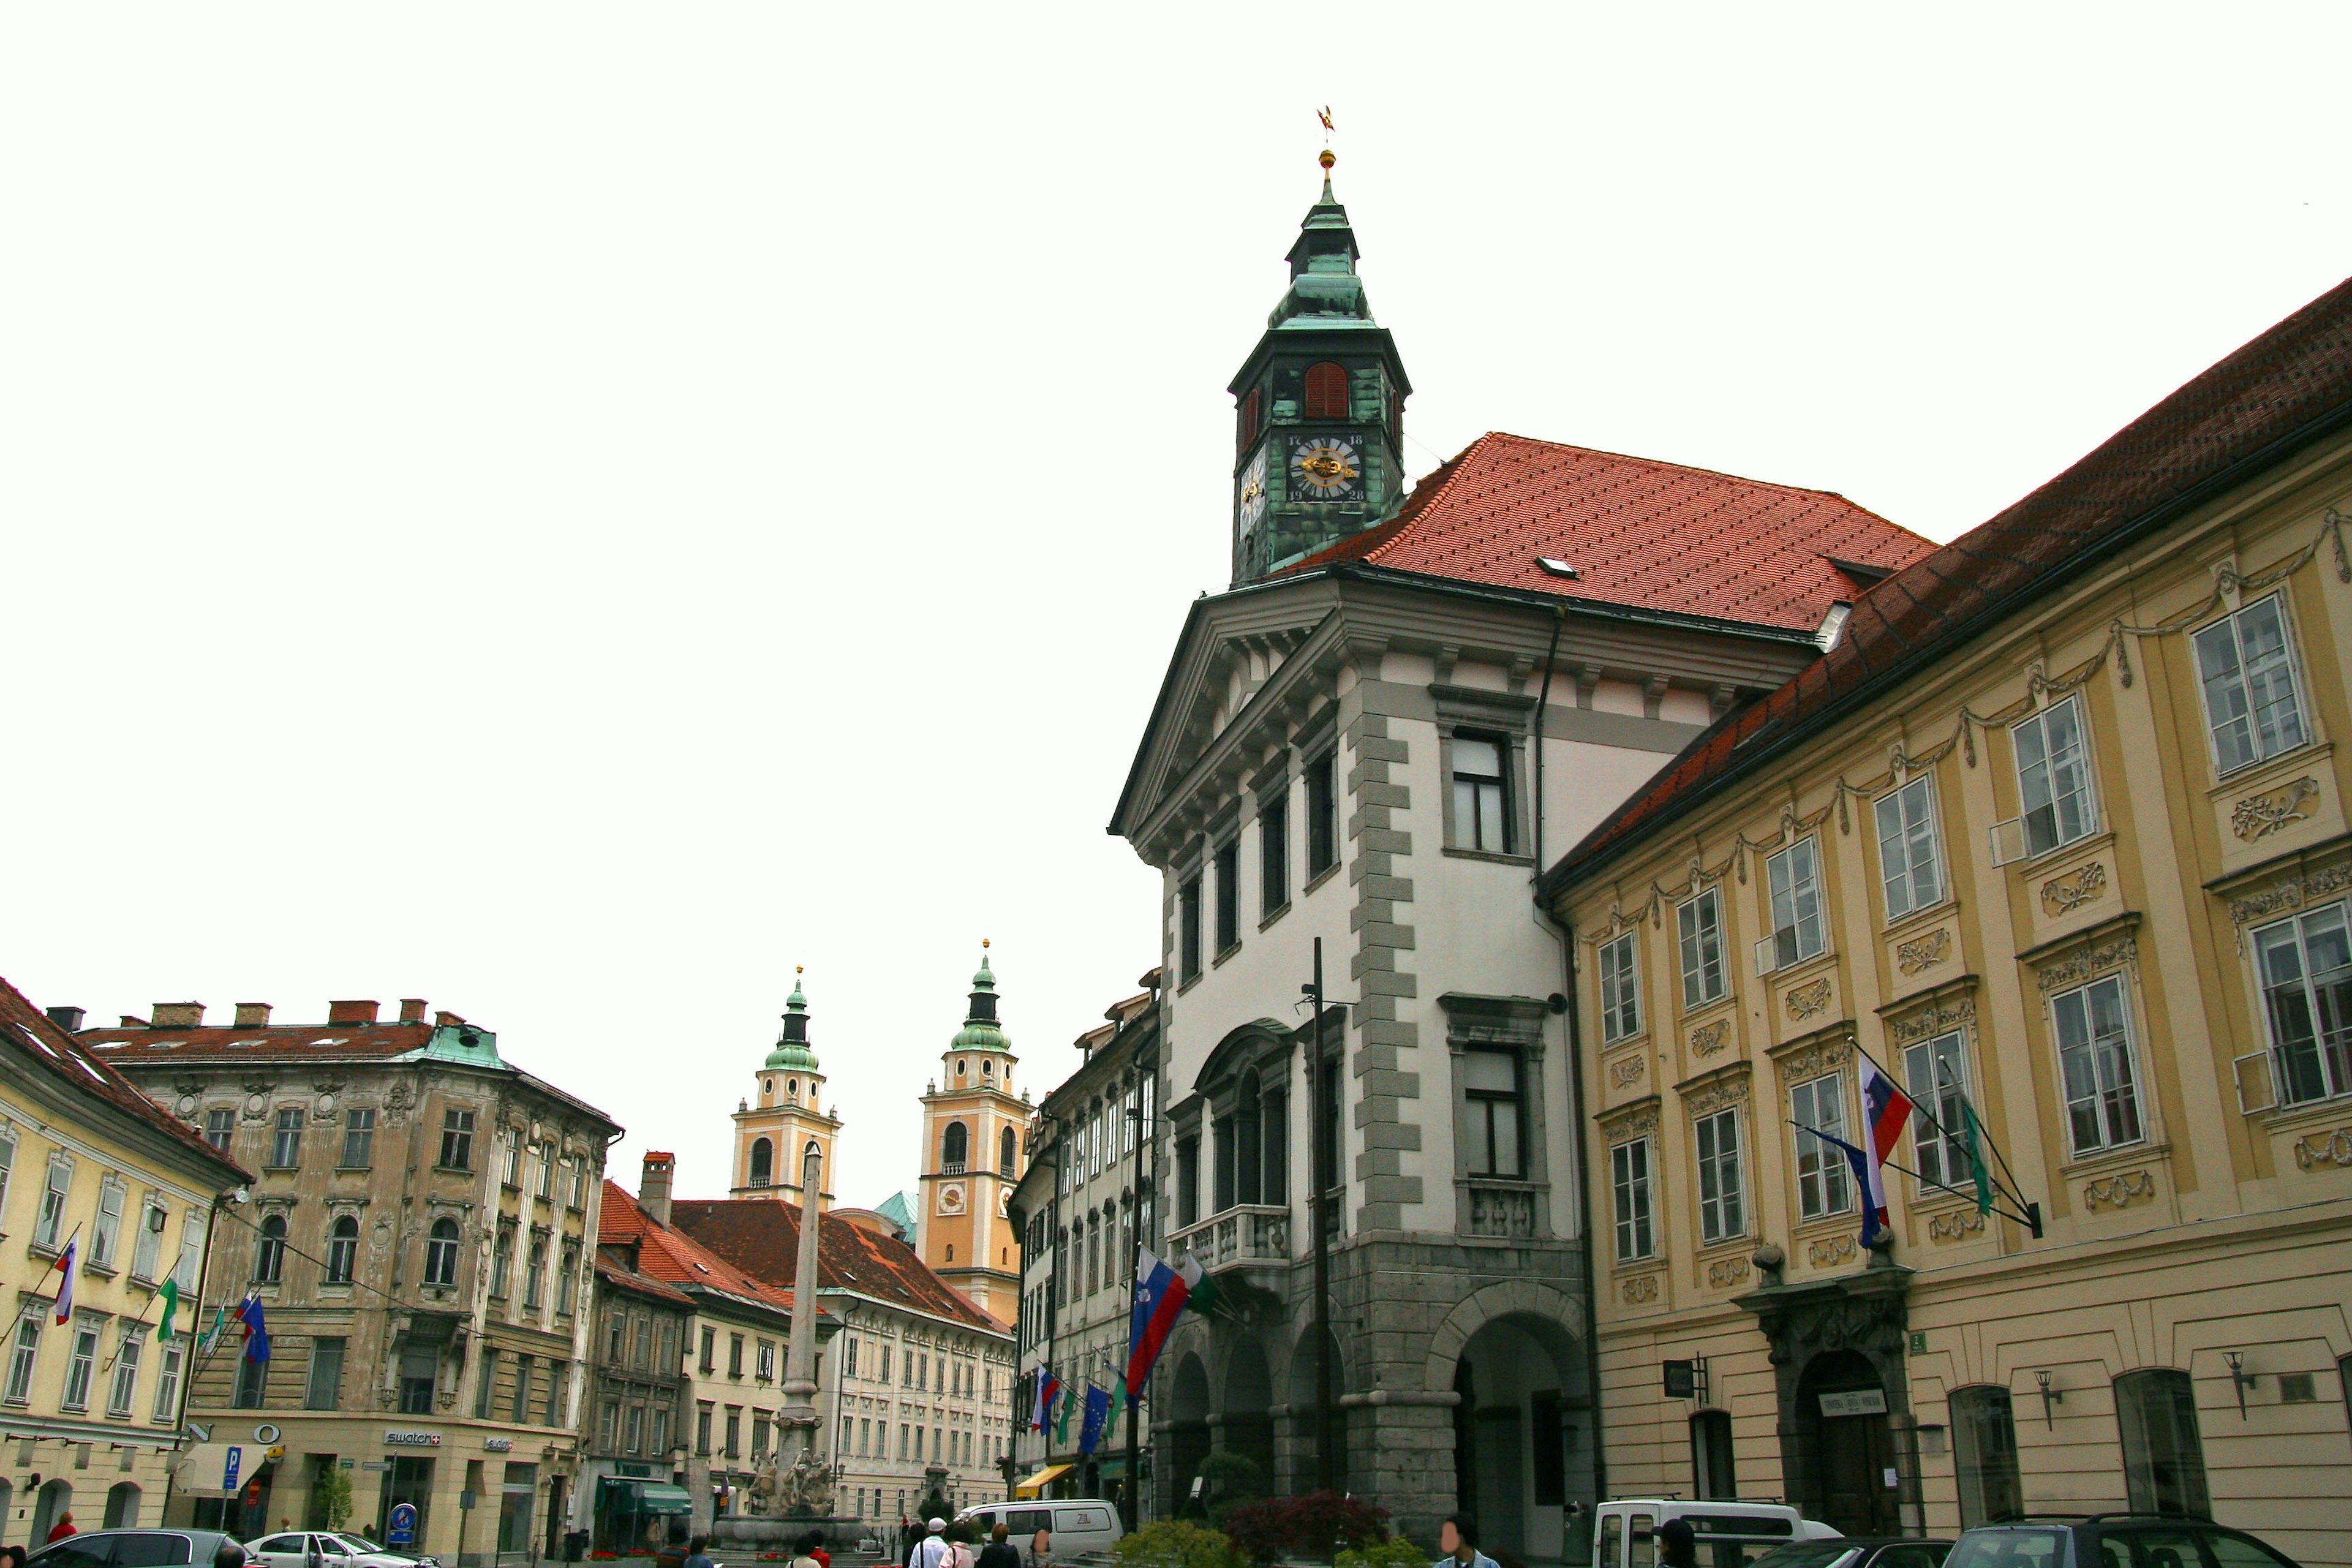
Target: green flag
{"x":1062,"y":1427}
{"x":1976,"y":1167}
{"x":1117,"y":1399}
{"x":220,"y":1320}
{"x":171,"y":1294}
{"x":1203,"y":1296}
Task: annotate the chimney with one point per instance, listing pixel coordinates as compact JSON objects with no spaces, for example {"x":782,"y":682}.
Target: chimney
{"x":653,"y":1186}
{"x":253,"y":1015}
{"x":177,"y":1016}
{"x":350,"y":1013}
{"x":447,"y":1019}
{"x":65,"y":1018}
{"x":412,"y":1009}
{"x":131,"y":1023}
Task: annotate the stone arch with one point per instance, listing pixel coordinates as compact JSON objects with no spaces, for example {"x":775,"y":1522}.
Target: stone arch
{"x":1299,"y":1438}
{"x":1246,"y":1407}
{"x":1557,"y":1314}
{"x":764,"y":1163}
{"x":1188,"y":1433}
{"x":123,"y":1506}
{"x":54,"y":1499}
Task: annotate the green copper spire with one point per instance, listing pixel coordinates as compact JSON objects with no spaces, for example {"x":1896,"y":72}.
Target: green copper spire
{"x":981,"y":1031}
{"x":792,"y":1046}
{"x":1324,"y":288}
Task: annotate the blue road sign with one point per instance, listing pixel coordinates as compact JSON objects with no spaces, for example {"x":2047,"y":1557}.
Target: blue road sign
{"x":401,"y":1529}
{"x":229,"y":1466}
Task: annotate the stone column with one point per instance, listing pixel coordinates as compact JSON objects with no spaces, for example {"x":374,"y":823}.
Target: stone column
{"x":799,"y":1411}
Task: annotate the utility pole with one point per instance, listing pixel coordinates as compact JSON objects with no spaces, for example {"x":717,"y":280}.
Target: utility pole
{"x":1317,"y":1072}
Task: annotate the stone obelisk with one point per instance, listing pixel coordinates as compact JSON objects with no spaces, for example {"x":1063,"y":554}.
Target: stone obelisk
{"x":799,"y":1412}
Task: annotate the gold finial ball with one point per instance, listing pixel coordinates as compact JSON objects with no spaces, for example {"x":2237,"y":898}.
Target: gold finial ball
{"x":1327,"y":159}
{"x":796,"y":969}
{"x":983,"y":941}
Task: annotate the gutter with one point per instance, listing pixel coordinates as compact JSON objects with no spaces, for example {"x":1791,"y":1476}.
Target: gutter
{"x":2057,"y":576}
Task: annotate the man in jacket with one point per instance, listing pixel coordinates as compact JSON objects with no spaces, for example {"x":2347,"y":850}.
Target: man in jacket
{"x":1458,"y":1536}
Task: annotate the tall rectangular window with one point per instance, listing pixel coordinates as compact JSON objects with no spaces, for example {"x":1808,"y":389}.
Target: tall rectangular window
{"x":2054,"y":777}
{"x":702,"y":1430}
{"x":220,"y":1126}
{"x":1273,"y":852}
{"x":1629,"y":1176}
{"x":325,"y":1389}
{"x":1480,"y":800}
{"x":1722,"y":1188}
{"x":358,"y":1139}
{"x":519,"y":1411}
{"x":511,"y":1147}
{"x":734,"y":1355}
{"x":1934,"y":1075}
{"x":709,"y":1342}
{"x":167,"y":1382}
{"x":1229,"y":893}
{"x":1984,"y":1456}
{"x":128,"y":1353}
{"x":1794,"y":877}
{"x":1188,"y":926}
{"x":1825,"y":1180}
{"x":734,"y":1431}
{"x":148,"y":1251}
{"x":80,"y":1362}
{"x":1322,"y":814}
{"x":2247,"y":668}
{"x":2307,"y":973}
{"x":559,"y":1386}
{"x":2164,"y":1454}
{"x":24,"y":1349}
{"x":485,"y":1384}
{"x":1910,"y":864}
{"x":1699,"y":924}
{"x":1491,"y":1120}
{"x":48,"y":1226}
{"x":253,"y":1384}
{"x":106,"y":1235}
{"x":458,"y":1140}
{"x":286,"y":1147}
{"x":1621,"y":992}
{"x":2094,"y":1063}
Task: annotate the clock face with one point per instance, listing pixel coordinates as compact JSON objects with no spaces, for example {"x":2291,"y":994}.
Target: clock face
{"x":1325,"y":467}
{"x":1252,"y":497}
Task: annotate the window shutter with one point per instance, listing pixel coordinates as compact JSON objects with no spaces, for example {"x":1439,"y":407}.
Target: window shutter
{"x":1327,"y":391}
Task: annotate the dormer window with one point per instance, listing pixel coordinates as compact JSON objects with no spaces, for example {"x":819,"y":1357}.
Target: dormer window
{"x":1327,"y":391}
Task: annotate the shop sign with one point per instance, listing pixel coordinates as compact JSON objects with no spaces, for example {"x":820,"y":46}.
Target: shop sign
{"x":1854,"y":1401}
{"x":413,"y":1439}
{"x":498,"y":1445}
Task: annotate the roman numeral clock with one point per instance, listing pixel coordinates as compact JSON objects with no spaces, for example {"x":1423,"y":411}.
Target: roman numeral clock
{"x":1325,"y":467}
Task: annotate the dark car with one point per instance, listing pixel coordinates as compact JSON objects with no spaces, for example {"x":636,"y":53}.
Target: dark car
{"x":1857,"y":1551}
{"x":2112,"y":1541}
{"x":143,"y":1549}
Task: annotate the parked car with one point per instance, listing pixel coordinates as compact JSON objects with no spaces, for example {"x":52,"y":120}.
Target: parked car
{"x":1858,"y":1551}
{"x":1728,"y":1534}
{"x":334,"y":1549}
{"x":2112,"y":1541}
{"x":143,"y":1549}
{"x":1077,"y":1524}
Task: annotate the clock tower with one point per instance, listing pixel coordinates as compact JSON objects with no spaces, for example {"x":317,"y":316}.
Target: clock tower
{"x":1318,"y":408}
{"x":973,"y":1157}
{"x":771,"y":1136}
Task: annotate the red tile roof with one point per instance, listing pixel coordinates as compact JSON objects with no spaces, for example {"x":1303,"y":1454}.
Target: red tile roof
{"x":1640,"y":534}
{"x":70,"y":1058}
{"x":273,"y":1042}
{"x":763,"y":1236}
{"x":673,"y":1258}
{"x":2285,"y":388}
{"x":619,"y":1273}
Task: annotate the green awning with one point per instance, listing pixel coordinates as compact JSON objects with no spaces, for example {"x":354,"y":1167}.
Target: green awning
{"x":1111,"y":1469}
{"x":660,"y":1497}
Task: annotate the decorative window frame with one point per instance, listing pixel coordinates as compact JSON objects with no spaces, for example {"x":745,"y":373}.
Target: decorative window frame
{"x":1728,"y":1087}
{"x":1630,"y":1123}
{"x":2233,"y":605}
{"x":1503,"y":715}
{"x":1514,"y":1024}
{"x":2068,"y":964}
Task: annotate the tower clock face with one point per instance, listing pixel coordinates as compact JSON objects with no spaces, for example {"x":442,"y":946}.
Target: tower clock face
{"x":1325,"y":467}
{"x":1252,"y":493}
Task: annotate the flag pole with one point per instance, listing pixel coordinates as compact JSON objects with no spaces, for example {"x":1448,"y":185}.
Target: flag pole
{"x":1907,"y":1171}
{"x":1317,"y":1072}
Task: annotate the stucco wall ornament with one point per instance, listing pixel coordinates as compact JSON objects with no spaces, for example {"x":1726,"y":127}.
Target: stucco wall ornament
{"x":1924,"y":952}
{"x":1823,"y":1056}
{"x":1830,"y":1249}
{"x":2040,"y":687}
{"x":1953,"y":1227}
{"x":2118,"y":1191}
{"x":1640,"y":1288}
{"x":1625,"y":1128}
{"x":2087,"y":962}
{"x":1628,"y":1071}
{"x":1710,"y":1098}
{"x":1709,"y":1039}
{"x":1727,"y":1271}
{"x":2260,"y":815}
{"x":1809,"y":998}
{"x":2073,"y":890}
{"x":1933,"y":1021}
{"x":2324,"y":1148}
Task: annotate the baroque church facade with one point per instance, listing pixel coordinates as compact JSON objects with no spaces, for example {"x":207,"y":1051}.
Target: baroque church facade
{"x":1367,"y":746}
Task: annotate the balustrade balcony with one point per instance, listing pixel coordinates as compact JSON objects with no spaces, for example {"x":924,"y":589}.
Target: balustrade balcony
{"x":1247,"y":1235}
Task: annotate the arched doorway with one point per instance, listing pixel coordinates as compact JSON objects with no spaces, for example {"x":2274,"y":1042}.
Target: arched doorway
{"x":1188,"y":1437}
{"x":1301,"y":1434}
{"x":53,"y":1501}
{"x":1844,"y":1437}
{"x":1245,"y":1415}
{"x":1522,"y":1441}
{"x":123,"y":1506}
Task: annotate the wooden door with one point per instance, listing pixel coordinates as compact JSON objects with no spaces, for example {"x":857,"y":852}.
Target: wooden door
{"x":1856,"y":1453}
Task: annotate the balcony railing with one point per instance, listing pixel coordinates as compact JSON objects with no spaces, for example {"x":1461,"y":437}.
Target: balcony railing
{"x":1245,"y":1235}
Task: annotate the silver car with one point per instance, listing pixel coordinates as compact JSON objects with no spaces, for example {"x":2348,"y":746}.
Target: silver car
{"x":143,"y":1549}
{"x":328,"y":1549}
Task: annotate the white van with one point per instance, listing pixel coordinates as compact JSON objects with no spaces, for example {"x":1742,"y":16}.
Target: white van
{"x":1729,"y":1534}
{"x":1077,"y":1524}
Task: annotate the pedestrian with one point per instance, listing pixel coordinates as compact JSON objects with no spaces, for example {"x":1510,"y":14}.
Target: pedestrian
{"x":802,"y":1553}
{"x":1677,"y":1544}
{"x":1458,"y":1536}
{"x":12,"y":1557}
{"x":64,"y":1527}
{"x":697,"y":1554}
{"x":960,"y":1545}
{"x":1040,"y":1543}
{"x":1000,"y":1553}
{"x":817,"y":1551}
{"x":932,"y":1550}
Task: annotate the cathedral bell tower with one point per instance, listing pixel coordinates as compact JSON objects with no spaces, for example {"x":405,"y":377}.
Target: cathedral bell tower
{"x":771,"y":1136}
{"x":972,"y":1156}
{"x":1318,"y":408}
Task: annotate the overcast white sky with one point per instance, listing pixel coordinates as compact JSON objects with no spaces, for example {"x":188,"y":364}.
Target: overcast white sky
{"x":570,"y":511}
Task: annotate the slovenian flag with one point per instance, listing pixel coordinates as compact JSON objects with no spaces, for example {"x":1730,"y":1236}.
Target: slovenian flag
{"x":1048,"y":1386}
{"x":256,"y":1332}
{"x":1161,"y":1293}
{"x":69,"y":1264}
{"x":1887,"y":1109}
